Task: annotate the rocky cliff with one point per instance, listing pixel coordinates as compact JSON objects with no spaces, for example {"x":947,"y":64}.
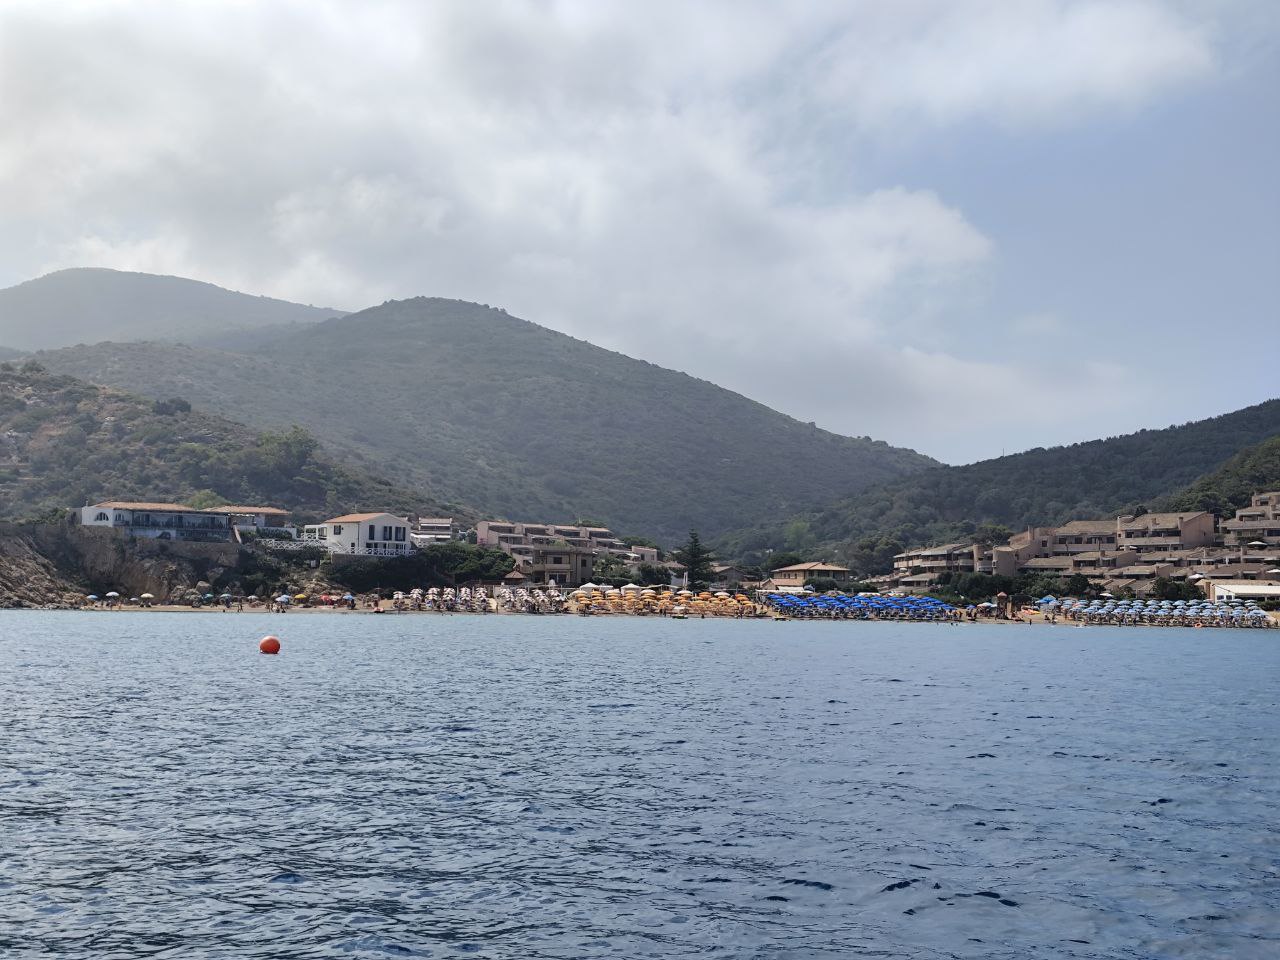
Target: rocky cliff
{"x":29,"y":579}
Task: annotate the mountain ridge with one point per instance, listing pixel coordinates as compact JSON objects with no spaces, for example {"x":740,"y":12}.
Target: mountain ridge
{"x":472,"y":404}
{"x":92,"y":304}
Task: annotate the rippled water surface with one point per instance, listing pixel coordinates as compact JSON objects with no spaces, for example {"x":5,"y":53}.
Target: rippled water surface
{"x":430,"y":786}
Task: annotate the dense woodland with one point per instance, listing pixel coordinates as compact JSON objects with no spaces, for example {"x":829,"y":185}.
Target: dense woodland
{"x":1233,"y":485}
{"x":990,"y":499}
{"x":64,"y":443}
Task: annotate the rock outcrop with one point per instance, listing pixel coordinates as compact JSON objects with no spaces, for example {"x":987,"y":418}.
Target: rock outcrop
{"x":29,"y":579}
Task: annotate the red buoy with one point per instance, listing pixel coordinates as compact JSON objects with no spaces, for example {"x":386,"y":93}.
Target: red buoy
{"x":269,"y":644}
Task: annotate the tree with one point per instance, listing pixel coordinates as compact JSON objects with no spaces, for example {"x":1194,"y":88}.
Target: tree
{"x":779,"y":560}
{"x":610,"y":568}
{"x":1166,"y":589}
{"x":204,"y":499}
{"x":650,"y":575}
{"x":1078,"y":585}
{"x":167,"y":408}
{"x":697,"y":561}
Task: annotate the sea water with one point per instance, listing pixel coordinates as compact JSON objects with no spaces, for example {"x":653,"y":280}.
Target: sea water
{"x":528,"y":787}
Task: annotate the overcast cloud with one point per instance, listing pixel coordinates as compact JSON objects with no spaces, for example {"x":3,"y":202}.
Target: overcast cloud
{"x":962,"y":227}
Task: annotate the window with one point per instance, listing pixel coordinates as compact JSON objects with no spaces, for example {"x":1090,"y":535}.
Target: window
{"x":386,"y":533}
{"x":101,"y":516}
{"x":400,"y":534}
{"x":337,"y":530}
{"x":373,"y":532}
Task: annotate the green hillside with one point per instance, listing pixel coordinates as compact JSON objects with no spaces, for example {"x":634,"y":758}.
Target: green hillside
{"x":90,"y":305}
{"x":65,"y":443}
{"x":1100,"y":478}
{"x":1234,"y":483}
{"x":467,"y":403}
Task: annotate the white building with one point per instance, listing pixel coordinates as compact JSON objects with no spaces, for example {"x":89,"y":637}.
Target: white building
{"x":429,"y":530}
{"x":263,"y":520}
{"x":363,"y":534}
{"x":159,"y":521}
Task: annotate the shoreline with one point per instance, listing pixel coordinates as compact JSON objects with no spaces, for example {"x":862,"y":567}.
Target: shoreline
{"x":1030,"y":619}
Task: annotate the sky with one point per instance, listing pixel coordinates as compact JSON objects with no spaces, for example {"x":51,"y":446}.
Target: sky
{"x":966,"y":228}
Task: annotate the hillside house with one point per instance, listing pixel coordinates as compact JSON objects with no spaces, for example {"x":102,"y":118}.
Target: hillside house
{"x":363,"y":534}
{"x":160,"y":521}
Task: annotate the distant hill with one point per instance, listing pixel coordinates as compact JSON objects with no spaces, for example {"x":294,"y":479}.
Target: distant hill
{"x":1100,"y":478}
{"x":470,"y":404}
{"x":88,"y":305}
{"x":65,"y":443}
{"x":1233,"y":485}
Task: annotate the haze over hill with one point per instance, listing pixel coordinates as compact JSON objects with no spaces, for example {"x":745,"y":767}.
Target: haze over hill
{"x":88,"y":305}
{"x":471,"y":404}
{"x":1100,"y":478}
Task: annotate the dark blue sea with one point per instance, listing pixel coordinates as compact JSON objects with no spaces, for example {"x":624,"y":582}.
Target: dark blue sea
{"x":537,"y":787}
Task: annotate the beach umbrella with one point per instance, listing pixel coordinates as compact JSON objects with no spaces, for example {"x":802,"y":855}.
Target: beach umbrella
{"x":225,"y":596}
{"x":112,"y":593}
{"x":133,"y":599}
{"x":92,"y":596}
{"x":283,"y":598}
{"x":148,"y":596}
{"x":347,"y":596}
{"x":1048,"y":599}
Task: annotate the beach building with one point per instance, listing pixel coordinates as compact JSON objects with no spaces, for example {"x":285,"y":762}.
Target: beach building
{"x":428,"y":530}
{"x":1257,"y":523}
{"x":161,"y":521}
{"x":795,"y":575}
{"x":1103,"y":563}
{"x":1243,"y":590}
{"x":1166,"y":531}
{"x":565,"y":553}
{"x":268,"y":521}
{"x":642,"y":554}
{"x":363,"y":534}
{"x":544,"y":553}
{"x":1047,"y":566}
{"x":727,"y":574}
{"x":1010,"y":558}
{"x":1084,"y":536}
{"x":921,"y":567}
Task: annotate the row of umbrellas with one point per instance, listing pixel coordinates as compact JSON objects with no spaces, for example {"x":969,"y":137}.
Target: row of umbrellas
{"x":632,"y":598}
{"x":835,"y":603}
{"x":283,"y":598}
{"x":1221,"y":609}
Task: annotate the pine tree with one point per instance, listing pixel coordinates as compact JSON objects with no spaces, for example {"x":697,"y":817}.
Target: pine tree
{"x":696,"y":560}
